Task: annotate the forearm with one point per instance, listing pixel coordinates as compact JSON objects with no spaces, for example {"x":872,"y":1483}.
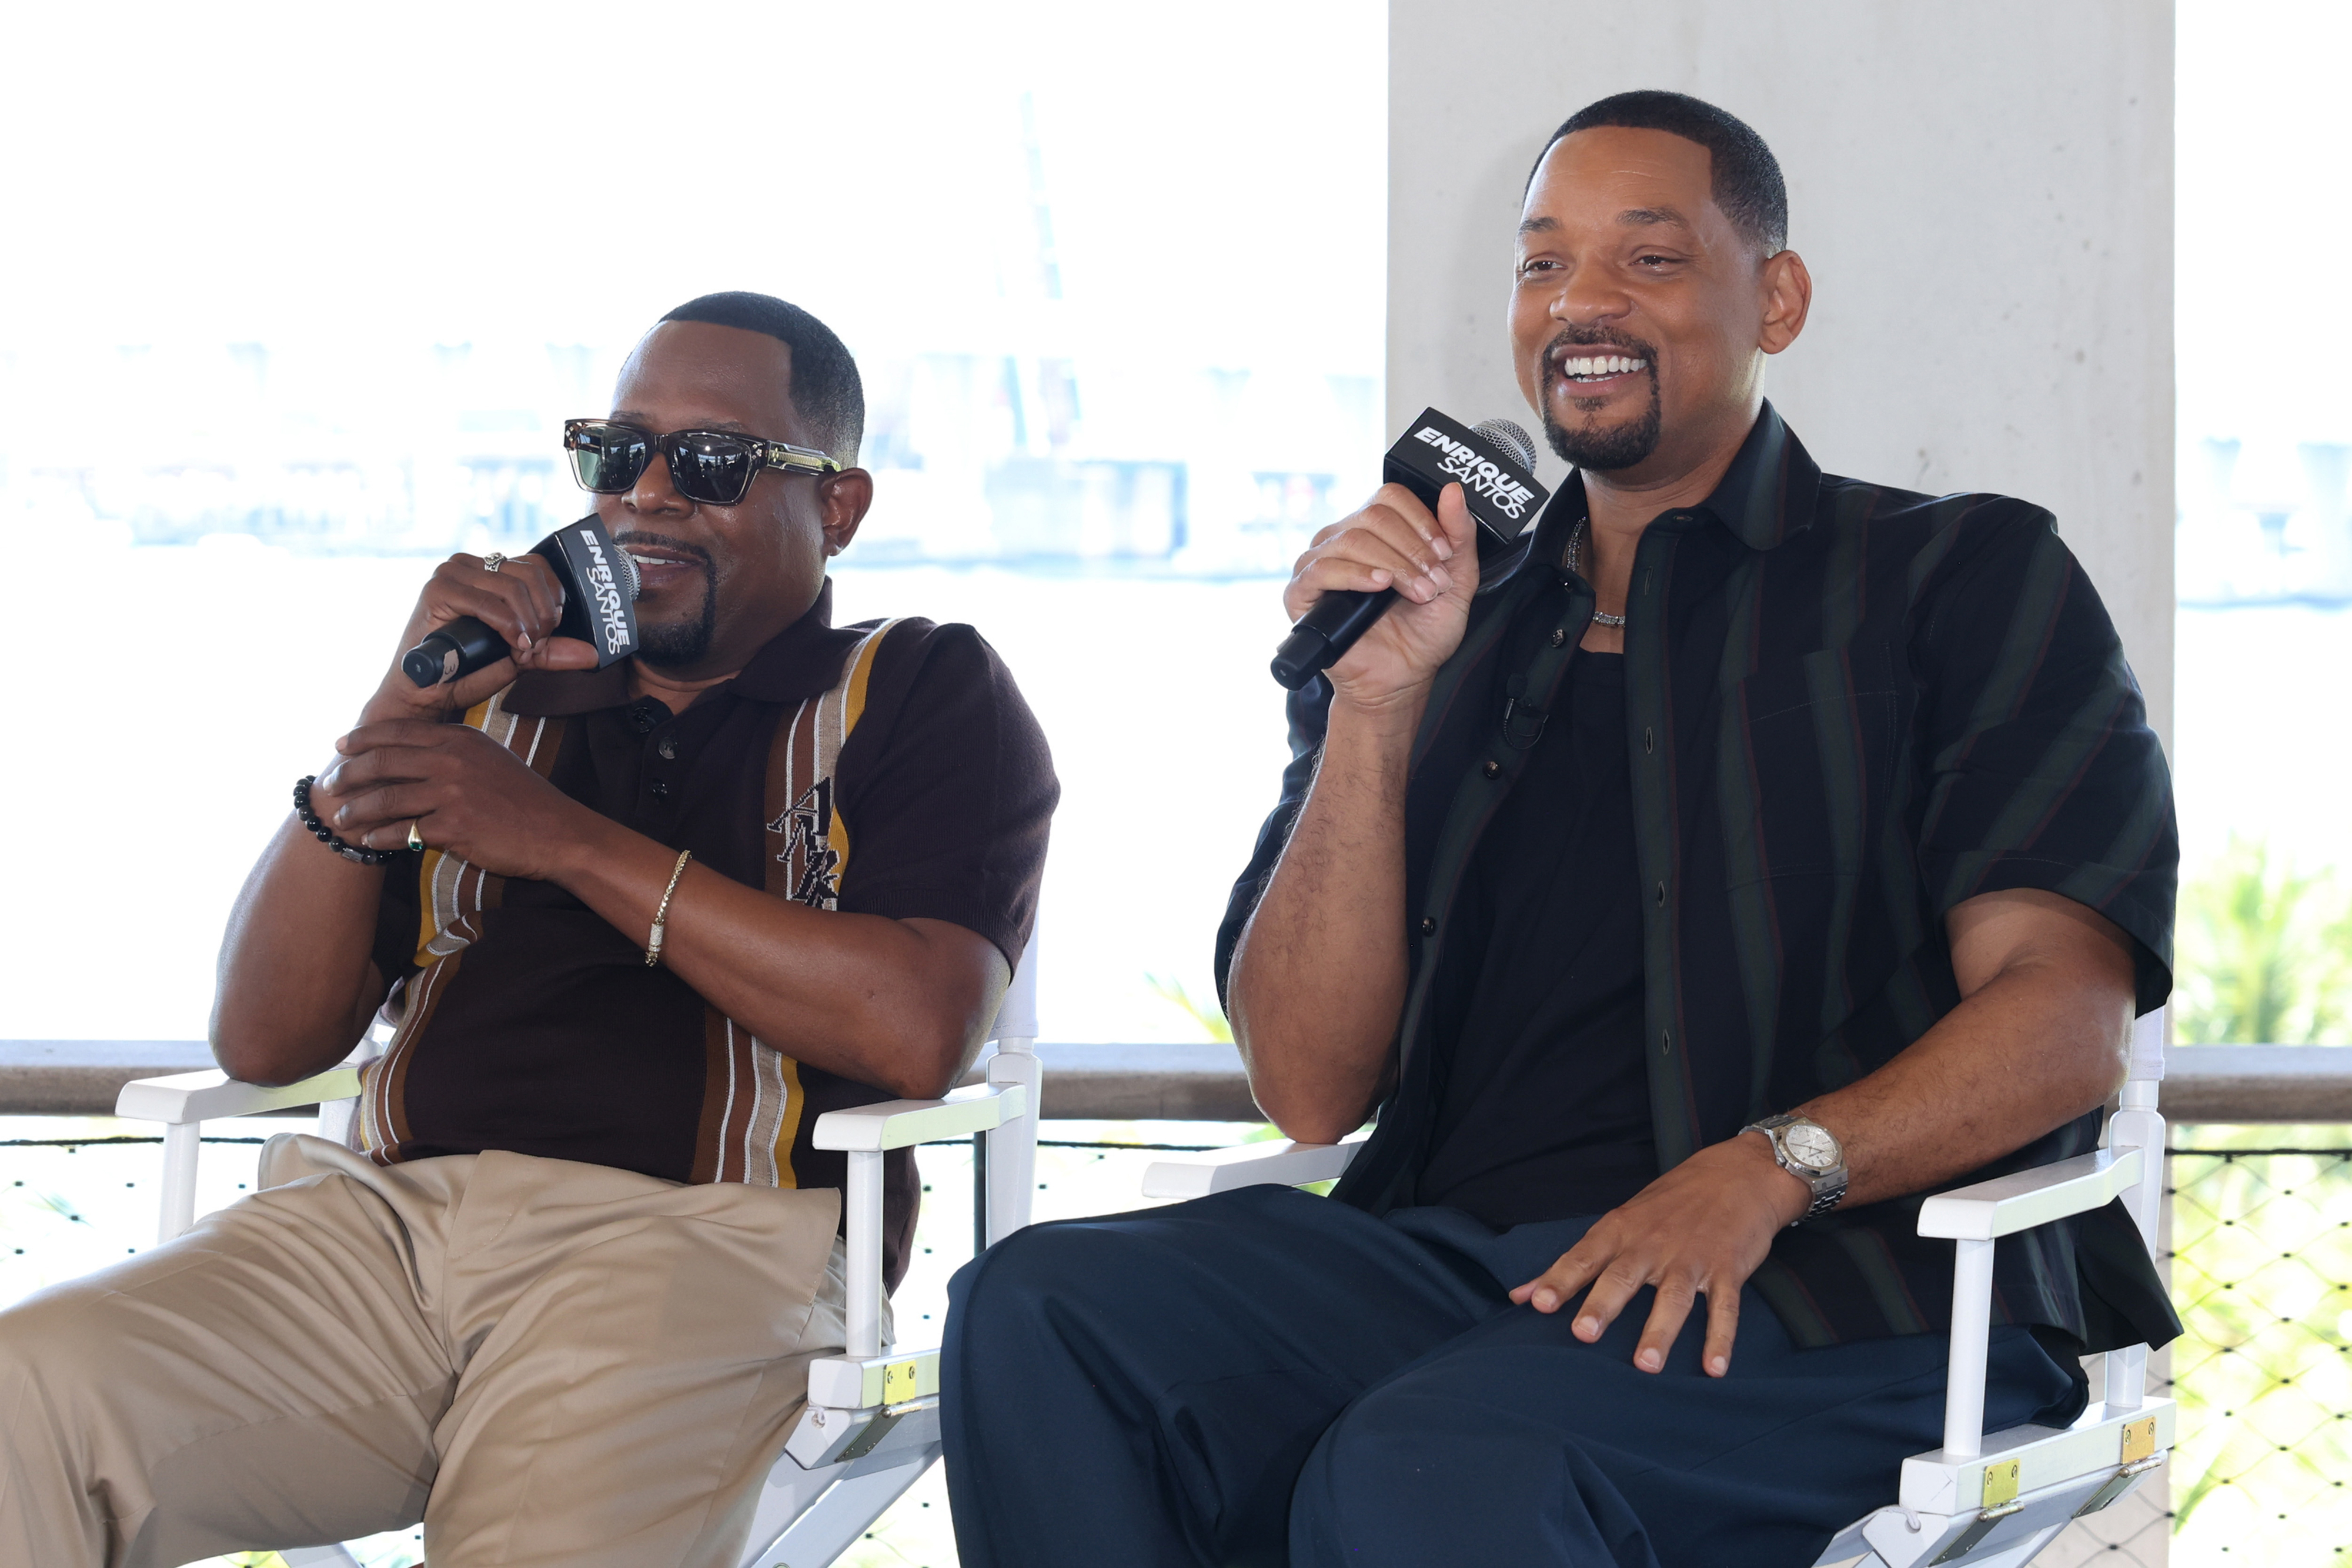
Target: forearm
{"x":2030,"y":1051}
{"x":296,"y":981}
{"x":2033,"y":1047}
{"x":899,"y":1004}
{"x":295,"y":973}
{"x":2037,"y":1040}
{"x":1318,"y":976}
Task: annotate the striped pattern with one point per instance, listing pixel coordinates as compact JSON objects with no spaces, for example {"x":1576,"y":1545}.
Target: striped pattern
{"x":453,"y":895}
{"x":812,"y":840}
{"x":755,"y":1102}
{"x":1849,"y":709}
{"x":751,"y":1109}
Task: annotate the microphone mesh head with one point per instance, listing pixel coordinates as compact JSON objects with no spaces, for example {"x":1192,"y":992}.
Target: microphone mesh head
{"x":1512,"y":439}
{"x":631,"y":584}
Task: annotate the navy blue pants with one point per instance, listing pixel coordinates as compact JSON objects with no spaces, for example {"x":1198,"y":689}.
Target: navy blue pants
{"x":1268,"y":1378}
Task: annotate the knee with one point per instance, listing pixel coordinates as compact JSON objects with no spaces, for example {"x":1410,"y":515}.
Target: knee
{"x":1061,"y":1262}
{"x":1000,"y":1307}
{"x":1136,"y":1261}
{"x":58,"y":1341}
{"x":63,"y":1321}
{"x":1034,"y":1296}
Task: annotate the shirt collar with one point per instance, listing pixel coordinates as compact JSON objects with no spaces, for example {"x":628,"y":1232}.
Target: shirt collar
{"x":1764,"y":497}
{"x":1769,"y":492}
{"x":799,"y":662}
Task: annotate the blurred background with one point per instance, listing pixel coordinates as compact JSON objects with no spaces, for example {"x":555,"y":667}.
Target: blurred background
{"x":296,"y":302}
{"x":2263,"y":754}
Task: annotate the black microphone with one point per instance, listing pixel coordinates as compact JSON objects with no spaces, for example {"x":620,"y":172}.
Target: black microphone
{"x":600,"y":596}
{"x":1493,"y":463}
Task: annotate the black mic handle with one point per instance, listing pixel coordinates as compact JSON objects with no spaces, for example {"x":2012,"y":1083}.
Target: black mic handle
{"x":451,"y":652}
{"x":1328,"y":629}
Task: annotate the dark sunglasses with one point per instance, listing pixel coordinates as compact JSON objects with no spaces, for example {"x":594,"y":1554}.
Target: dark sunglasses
{"x":714,"y":467}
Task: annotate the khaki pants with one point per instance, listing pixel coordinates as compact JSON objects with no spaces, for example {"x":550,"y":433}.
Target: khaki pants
{"x":546,"y":1362}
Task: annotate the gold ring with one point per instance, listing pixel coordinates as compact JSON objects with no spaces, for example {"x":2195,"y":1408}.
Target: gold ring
{"x":495,"y":559}
{"x":416,"y":839}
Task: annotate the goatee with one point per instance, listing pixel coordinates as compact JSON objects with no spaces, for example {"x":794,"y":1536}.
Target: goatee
{"x":679,"y":643}
{"x":1604,"y":451}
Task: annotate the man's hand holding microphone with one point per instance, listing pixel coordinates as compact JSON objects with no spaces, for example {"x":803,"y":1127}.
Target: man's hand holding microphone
{"x":408,"y":774}
{"x":1318,"y":978}
{"x":1430,"y":559}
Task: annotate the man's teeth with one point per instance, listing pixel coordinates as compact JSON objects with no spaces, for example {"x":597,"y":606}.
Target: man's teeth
{"x":1591,"y":368}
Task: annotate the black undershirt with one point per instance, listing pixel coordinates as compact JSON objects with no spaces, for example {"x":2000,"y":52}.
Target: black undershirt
{"x":1543,"y":1094}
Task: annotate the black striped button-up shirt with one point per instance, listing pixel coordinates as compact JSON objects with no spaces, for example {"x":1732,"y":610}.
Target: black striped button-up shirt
{"x":1849,"y":709}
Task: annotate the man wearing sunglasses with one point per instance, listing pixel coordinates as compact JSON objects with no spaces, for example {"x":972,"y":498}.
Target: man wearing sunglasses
{"x":623,"y":936}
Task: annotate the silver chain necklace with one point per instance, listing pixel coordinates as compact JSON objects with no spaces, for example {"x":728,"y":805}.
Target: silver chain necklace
{"x":1576,"y":555}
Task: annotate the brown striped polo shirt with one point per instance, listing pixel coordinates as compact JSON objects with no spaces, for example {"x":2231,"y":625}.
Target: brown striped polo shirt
{"x":886,"y":769}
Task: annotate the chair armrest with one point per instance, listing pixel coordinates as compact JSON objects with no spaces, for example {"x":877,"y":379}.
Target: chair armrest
{"x":895,"y":1124}
{"x":186,"y":1097}
{"x":2020,"y":1201}
{"x":1283,"y":1164}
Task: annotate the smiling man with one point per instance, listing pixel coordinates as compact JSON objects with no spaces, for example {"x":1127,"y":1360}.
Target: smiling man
{"x":559,"y":1299}
{"x":1759,"y":852}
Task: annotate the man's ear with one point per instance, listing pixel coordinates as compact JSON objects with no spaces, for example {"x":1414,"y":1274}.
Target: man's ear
{"x":845,"y":497}
{"x":1788,"y":298}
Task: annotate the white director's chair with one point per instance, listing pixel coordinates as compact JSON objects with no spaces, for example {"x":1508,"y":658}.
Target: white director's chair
{"x":871,"y":1426}
{"x":1982,"y":1500}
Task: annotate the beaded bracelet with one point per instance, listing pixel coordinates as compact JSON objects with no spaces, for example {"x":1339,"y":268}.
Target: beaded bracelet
{"x":326,"y":835}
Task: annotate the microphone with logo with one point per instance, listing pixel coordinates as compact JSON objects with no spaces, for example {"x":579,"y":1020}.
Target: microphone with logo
{"x":600,"y":597}
{"x":1494,"y":462}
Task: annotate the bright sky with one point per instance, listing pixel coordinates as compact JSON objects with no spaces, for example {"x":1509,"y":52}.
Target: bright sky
{"x":346,"y":184}
{"x":2264,"y":266}
{"x":563,"y":174}
{"x":560,"y":174}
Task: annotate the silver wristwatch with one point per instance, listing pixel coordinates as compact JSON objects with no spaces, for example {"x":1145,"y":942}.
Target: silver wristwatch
{"x":1810,"y":1152}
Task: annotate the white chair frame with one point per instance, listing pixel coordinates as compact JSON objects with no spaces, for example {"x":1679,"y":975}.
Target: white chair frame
{"x":871,"y":1426}
{"x":1981,"y":1500}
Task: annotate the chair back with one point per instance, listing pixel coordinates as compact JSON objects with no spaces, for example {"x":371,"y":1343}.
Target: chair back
{"x":2138,"y":1123}
{"x":1016,"y":1015}
{"x":1011,"y":1151}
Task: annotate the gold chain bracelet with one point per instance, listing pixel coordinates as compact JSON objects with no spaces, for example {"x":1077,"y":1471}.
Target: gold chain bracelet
{"x":661,"y":916}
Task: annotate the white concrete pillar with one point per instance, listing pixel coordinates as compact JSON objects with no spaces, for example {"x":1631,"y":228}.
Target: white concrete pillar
{"x":1983,"y":193}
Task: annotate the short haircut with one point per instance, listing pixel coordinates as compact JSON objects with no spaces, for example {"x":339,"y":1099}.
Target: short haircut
{"x":1748,"y":184}
{"x":826,"y":387}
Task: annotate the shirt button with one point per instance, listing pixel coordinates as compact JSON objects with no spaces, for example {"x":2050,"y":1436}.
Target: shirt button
{"x":1429,"y":925}
{"x":1558,"y":635}
{"x":668,"y":746}
{"x":643,"y":718}
{"x":1490,"y":769}
{"x":1665,"y":1042}
{"x":661,"y":788}
{"x":1646,"y":742}
{"x":1662,"y":895}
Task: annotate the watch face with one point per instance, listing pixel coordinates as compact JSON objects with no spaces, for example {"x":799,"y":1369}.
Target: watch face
{"x":1811,"y":1145}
